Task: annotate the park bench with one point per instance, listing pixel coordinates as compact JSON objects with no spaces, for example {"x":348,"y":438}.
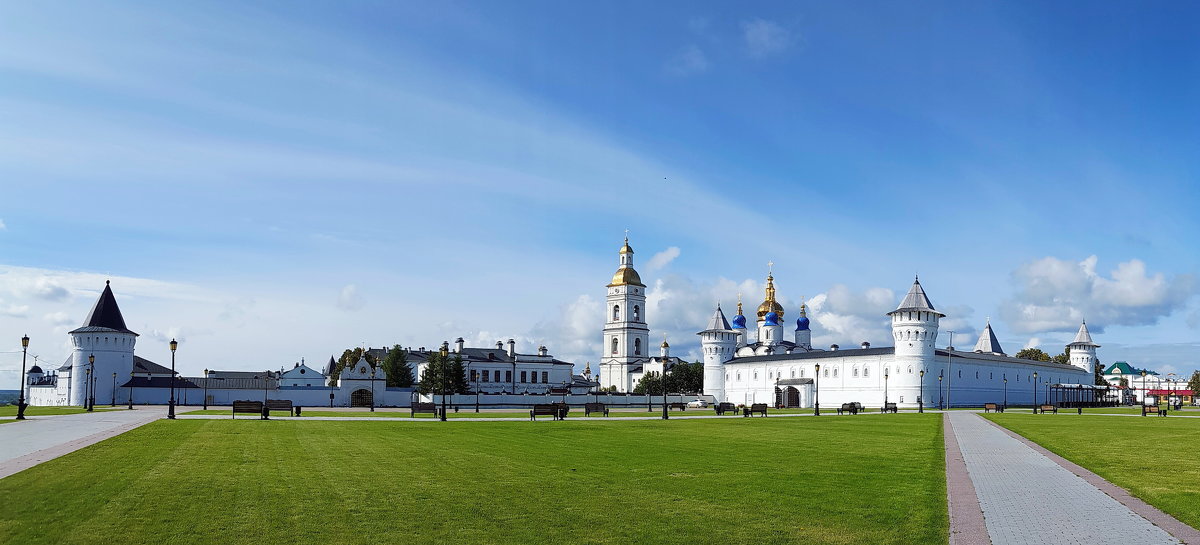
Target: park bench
{"x":416,"y":408}
{"x":725,"y":407}
{"x":679,"y":406}
{"x":589,"y":408}
{"x":546,"y":409}
{"x":279,"y":405}
{"x":889,"y":408}
{"x":851,"y":408}
{"x":247,"y":407}
{"x":563,"y":409}
{"x":760,"y":408}
{"x":1153,"y":409}
{"x":992,"y":407}
{"x":1050,"y":408}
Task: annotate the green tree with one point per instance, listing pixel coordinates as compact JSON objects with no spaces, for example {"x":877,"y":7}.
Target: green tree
{"x":683,"y":377}
{"x":349,"y":357}
{"x":399,"y":372}
{"x":650,"y":382}
{"x":1100,"y":374}
{"x":1035,"y":354}
{"x":447,"y":370}
{"x":1065,"y":357}
{"x":1194,"y":384}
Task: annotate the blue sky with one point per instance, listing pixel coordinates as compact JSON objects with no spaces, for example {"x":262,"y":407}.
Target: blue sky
{"x":276,"y":181}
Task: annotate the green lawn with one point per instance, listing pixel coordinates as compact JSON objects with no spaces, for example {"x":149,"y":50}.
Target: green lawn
{"x":11,"y":410}
{"x":1146,"y":456}
{"x":797,"y":480}
{"x":469,"y":412}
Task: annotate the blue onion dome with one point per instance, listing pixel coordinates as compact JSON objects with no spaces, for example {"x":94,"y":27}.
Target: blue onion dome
{"x":739,"y":322}
{"x":772,"y":318}
{"x":35,"y":370}
{"x":802,"y":323}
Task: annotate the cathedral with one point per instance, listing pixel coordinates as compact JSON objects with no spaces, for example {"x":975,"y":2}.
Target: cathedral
{"x":747,"y":365}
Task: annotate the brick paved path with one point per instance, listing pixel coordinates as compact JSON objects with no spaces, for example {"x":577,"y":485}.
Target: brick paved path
{"x":1027,"y":498}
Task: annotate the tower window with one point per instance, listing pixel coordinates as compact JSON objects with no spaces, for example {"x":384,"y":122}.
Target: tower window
{"x":616,"y":313}
{"x":637,"y":313}
{"x":637,"y":347}
{"x":614,"y":346}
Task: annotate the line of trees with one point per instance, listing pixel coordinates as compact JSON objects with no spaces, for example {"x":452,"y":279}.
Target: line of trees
{"x":683,"y":377}
{"x":443,"y":370}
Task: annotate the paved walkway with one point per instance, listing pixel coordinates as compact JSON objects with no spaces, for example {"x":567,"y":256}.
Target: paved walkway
{"x":1028,"y":496}
{"x":29,"y":443}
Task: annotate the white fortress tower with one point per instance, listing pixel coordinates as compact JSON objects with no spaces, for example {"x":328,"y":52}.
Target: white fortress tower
{"x":626,"y":335}
{"x":915,"y":325}
{"x":1083,"y":350}
{"x":718,"y":342}
{"x":104,"y":336}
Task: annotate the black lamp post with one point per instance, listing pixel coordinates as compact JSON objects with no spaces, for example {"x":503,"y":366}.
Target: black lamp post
{"x":664,"y":385}
{"x":372,"y":389}
{"x":1035,"y":392}
{"x":171,"y":402}
{"x":817,"y":395}
{"x":131,"y":390}
{"x":941,"y":400}
{"x":24,"y":379}
{"x":1143,"y":389}
{"x":885,"y":384}
{"x":921,"y":395}
{"x":1006,"y":392}
{"x":445,"y":352}
{"x":206,"y":389}
{"x":114,"y":391}
{"x":89,"y":390}
{"x":266,"y":412}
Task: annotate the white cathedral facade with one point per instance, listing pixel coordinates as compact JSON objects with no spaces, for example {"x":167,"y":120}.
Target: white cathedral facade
{"x":746,"y":365}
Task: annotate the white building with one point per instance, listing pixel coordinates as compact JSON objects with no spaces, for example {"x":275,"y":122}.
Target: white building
{"x":501,"y":370}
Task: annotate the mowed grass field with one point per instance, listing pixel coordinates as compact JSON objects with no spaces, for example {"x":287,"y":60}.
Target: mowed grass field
{"x":1151,"y":457}
{"x":11,"y":410}
{"x":787,"y":480}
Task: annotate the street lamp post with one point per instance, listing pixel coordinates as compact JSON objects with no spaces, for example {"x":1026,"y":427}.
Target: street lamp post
{"x":664,"y":385}
{"x":131,"y":390}
{"x":1035,"y":380}
{"x":114,"y":391}
{"x":372,"y":389}
{"x":921,"y":395}
{"x":817,"y":395}
{"x":1006,"y":392}
{"x":266,"y":412}
{"x":1143,"y":388}
{"x":949,"y":368}
{"x":89,"y":390}
{"x":445,"y":371}
{"x":24,"y":379}
{"x":171,"y":402}
{"x":941,"y":400}
{"x":885,"y":384}
{"x":206,"y":389}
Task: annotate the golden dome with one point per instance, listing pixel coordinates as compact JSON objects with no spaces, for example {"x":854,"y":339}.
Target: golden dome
{"x":626,"y":275}
{"x":626,"y":249}
{"x":769,"y":305}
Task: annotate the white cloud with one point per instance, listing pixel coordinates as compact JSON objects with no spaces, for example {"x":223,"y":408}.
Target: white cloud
{"x":662,"y":259}
{"x":3,"y":227}
{"x":1033,"y":342}
{"x":349,"y":299}
{"x":49,"y":289}
{"x":1056,"y":295}
{"x":59,"y":318}
{"x":690,"y":61}
{"x":14,"y":310}
{"x":764,"y":38}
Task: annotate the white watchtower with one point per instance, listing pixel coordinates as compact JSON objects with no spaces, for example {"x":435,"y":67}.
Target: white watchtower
{"x":718,"y":342}
{"x":104,"y":336}
{"x":1083,"y":350}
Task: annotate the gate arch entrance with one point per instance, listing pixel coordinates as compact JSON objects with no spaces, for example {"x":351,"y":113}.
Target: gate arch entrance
{"x":361,"y":398}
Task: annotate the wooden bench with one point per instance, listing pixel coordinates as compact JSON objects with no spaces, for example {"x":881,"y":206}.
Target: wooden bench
{"x":851,"y":408}
{"x":678,"y":406}
{"x":589,"y":408}
{"x":889,"y":408}
{"x":279,"y":405}
{"x":418,"y":408}
{"x":992,"y":407}
{"x":760,"y":408}
{"x":725,"y":407}
{"x":1153,"y":409}
{"x":1050,"y":408}
{"x":247,"y":407}
{"x":546,"y":409}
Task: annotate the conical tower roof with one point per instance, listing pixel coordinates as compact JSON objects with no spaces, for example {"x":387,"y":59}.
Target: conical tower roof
{"x":1083,"y":336}
{"x":717,"y":322}
{"x":105,"y":314}
{"x":988,"y":342}
{"x":917,"y":300}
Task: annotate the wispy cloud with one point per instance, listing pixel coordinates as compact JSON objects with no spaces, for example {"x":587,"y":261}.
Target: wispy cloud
{"x":764,"y":38}
{"x":662,"y":259}
{"x":349,"y":298}
{"x":689,"y":62}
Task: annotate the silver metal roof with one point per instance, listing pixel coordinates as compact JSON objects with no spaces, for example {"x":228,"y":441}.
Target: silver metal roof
{"x":916,"y":299}
{"x":988,"y":342}
{"x":1083,"y":337}
{"x":718,"y":321}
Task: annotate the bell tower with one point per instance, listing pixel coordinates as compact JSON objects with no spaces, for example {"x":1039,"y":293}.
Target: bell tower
{"x":626,"y":335}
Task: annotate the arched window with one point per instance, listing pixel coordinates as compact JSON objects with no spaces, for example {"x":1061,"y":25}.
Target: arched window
{"x":910,"y":369}
{"x":801,"y":373}
{"x":637,"y":313}
{"x":739,"y":376}
{"x":637,"y":347}
{"x":793,"y":373}
{"x":835,"y":372}
{"x":826,"y":372}
{"x":614,"y":346}
{"x":616,"y":313}
{"x":855,"y":372}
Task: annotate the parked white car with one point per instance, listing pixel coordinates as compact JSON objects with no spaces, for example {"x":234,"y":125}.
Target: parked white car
{"x":698,"y":403}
